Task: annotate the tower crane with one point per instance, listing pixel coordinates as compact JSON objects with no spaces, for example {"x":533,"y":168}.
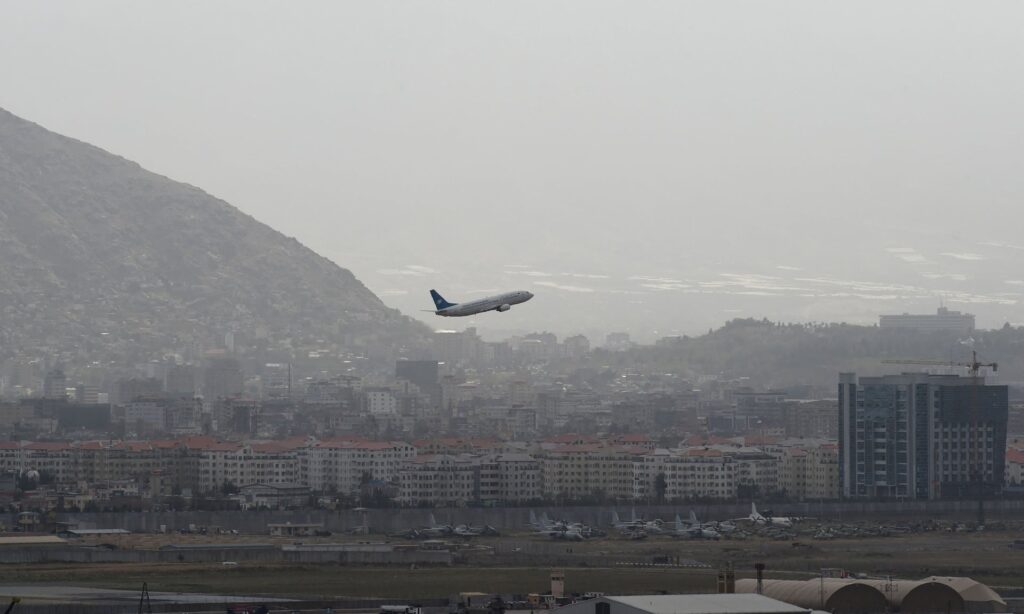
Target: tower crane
{"x":973,"y":367}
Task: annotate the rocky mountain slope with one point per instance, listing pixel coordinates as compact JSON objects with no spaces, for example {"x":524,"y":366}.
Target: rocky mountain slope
{"x":100,"y":257}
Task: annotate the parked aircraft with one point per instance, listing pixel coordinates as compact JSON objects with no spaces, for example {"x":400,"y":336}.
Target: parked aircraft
{"x":768,"y":519}
{"x":436,"y":530}
{"x":562,"y":529}
{"x":540,"y":523}
{"x":464,"y":530}
{"x":501,"y":302}
{"x":653,"y":527}
{"x":693,"y":529}
{"x":574,"y":534}
{"x":719,"y":526}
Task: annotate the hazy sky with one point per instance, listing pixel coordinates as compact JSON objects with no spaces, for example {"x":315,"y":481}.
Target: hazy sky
{"x":641,"y":166}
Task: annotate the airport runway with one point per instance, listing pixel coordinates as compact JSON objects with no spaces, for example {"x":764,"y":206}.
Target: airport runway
{"x":39,"y":593}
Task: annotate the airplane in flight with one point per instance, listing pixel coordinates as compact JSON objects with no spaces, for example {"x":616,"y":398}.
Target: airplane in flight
{"x":501,"y":302}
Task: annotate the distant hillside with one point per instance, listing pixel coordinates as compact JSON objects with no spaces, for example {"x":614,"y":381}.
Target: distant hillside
{"x":101,"y":257}
{"x":787,"y":355}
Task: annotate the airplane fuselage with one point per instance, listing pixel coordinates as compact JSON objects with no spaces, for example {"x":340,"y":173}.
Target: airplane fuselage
{"x":501,"y":302}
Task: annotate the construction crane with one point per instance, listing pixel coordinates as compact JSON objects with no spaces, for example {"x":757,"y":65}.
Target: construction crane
{"x":973,"y":367}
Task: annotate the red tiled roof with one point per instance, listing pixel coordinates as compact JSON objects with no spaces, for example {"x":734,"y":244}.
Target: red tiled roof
{"x":702,"y":440}
{"x":48,"y":445}
{"x":590,"y":447}
{"x":709,"y":452}
{"x":199,"y":442}
{"x":271,"y":447}
{"x":634,"y":438}
{"x":1014,"y":455}
{"x":133,"y":446}
{"x":375,"y":445}
{"x":165,"y":444}
{"x":570,"y":438}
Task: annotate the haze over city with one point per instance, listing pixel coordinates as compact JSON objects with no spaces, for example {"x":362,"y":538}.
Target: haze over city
{"x":653,"y":168}
{"x":460,"y":307}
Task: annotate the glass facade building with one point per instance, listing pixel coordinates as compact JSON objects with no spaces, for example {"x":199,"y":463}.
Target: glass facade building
{"x":921,"y":436}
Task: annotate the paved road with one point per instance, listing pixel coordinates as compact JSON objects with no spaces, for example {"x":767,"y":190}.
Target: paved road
{"x":77,"y":594}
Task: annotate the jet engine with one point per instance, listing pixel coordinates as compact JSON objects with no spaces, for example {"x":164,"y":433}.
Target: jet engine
{"x":504,"y":307}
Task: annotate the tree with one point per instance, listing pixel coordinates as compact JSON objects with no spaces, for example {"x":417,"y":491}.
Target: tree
{"x":229,"y":488}
{"x":660,"y":487}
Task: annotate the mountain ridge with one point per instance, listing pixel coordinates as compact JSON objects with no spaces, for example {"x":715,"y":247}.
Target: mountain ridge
{"x":97,"y":252}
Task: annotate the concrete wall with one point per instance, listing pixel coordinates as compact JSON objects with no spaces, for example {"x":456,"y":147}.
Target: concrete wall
{"x":76,"y":554}
{"x":305,"y":607}
{"x":510,"y":518}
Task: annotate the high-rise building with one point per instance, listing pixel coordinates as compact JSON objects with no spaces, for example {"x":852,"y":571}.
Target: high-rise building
{"x":617,"y":341}
{"x":921,"y":436}
{"x":126,"y":390}
{"x":276,"y":380}
{"x":222,"y":377}
{"x":423,"y":373}
{"x":180,"y":380}
{"x":576,"y":346}
{"x":55,"y":385}
{"x":454,"y":347}
{"x":943,"y":319}
{"x":87,"y":393}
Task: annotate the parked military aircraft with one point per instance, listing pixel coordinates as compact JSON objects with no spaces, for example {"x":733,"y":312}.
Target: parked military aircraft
{"x":464,"y":530}
{"x":693,"y":529}
{"x":652,"y":527}
{"x":767,"y":518}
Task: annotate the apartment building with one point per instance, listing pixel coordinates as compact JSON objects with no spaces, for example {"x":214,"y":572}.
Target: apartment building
{"x":699,"y":473}
{"x":811,"y":472}
{"x":587,"y":470}
{"x":921,"y":436}
{"x":443,"y":479}
{"x":512,"y":478}
{"x":341,"y":464}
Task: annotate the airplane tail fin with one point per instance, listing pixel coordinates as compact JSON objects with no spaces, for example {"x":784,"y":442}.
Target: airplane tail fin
{"x":433,"y":522}
{"x":753,"y":509}
{"x":693,"y":517}
{"x":533,"y":517}
{"x":679,"y":522}
{"x":439,"y":301}
{"x":615,"y":517}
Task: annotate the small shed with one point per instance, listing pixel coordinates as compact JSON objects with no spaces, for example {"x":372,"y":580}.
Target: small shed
{"x":289,"y":529}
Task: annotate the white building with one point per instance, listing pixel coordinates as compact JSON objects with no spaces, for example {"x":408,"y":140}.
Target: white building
{"x":380,"y":401}
{"x":440,"y":480}
{"x":725,"y":603}
{"x":341,"y":465}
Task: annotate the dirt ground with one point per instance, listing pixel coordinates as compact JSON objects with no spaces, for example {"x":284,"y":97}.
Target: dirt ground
{"x":984,"y":556}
